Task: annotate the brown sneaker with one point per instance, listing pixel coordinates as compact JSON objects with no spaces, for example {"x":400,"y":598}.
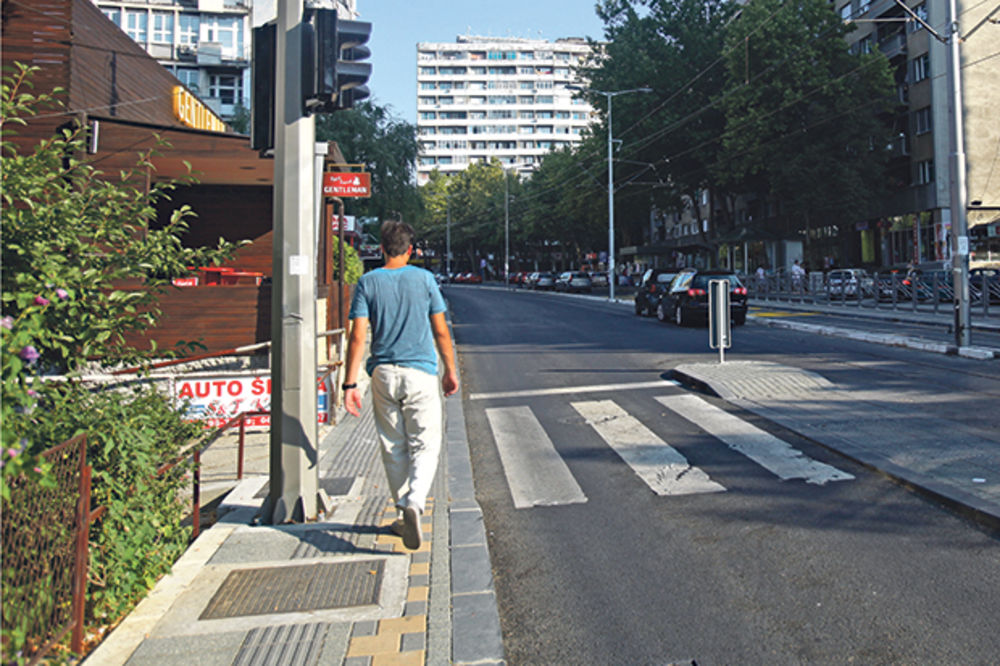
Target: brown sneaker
{"x":412,"y":532}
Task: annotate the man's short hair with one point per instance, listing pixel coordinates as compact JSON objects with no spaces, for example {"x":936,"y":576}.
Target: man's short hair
{"x":396,"y":237}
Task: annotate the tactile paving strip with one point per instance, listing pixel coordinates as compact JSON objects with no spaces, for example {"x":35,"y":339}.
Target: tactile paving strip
{"x":292,"y":589}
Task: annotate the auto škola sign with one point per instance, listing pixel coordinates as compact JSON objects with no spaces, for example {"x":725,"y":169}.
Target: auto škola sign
{"x":215,"y":399}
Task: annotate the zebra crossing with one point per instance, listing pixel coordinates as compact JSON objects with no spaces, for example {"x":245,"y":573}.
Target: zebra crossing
{"x":538,"y":476}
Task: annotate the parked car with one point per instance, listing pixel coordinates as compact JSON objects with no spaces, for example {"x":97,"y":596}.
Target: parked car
{"x":990,"y":277}
{"x":686,"y":300}
{"x":573,"y":281}
{"x":842,"y":283}
{"x":654,"y":284}
{"x":599,"y":279}
{"x":902,"y":282}
{"x":543,"y":280}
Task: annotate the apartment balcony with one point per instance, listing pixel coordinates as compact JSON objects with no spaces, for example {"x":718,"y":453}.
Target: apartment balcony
{"x":893,"y":46}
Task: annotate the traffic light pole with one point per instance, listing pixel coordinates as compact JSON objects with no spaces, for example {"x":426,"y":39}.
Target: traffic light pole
{"x":293,"y":447}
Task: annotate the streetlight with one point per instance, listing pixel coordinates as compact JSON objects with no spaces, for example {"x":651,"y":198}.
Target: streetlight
{"x":610,"y":94}
{"x":506,"y":224}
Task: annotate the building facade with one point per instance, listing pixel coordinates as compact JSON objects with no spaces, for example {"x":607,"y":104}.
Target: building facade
{"x":481,"y":97}
{"x":914,"y":224}
{"x":206,"y":44}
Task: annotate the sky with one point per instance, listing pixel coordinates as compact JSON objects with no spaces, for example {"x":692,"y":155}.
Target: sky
{"x":397,"y":26}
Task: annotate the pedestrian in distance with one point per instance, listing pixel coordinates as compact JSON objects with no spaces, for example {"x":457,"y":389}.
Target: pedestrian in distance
{"x":404,"y":308}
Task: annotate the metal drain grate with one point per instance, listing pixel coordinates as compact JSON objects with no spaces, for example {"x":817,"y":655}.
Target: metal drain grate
{"x":334,"y":486}
{"x":292,"y":589}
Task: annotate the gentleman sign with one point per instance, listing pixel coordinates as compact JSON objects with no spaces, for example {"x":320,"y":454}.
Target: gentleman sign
{"x":339,"y":184}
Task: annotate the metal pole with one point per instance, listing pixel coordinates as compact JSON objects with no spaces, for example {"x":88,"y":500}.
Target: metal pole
{"x":611,"y":210}
{"x":293,"y":450}
{"x":506,"y":229}
{"x":959,"y":223}
{"x":448,"y":234}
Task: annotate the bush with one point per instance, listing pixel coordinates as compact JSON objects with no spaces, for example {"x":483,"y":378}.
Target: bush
{"x":71,"y":234}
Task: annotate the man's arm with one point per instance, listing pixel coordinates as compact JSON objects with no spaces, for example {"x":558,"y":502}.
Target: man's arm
{"x":442,"y":338}
{"x":355,"y":350}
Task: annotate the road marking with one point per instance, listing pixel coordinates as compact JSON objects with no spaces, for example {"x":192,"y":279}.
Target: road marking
{"x":761,"y":313}
{"x":536,"y":474}
{"x":563,"y":390}
{"x":768,"y":451}
{"x":661,"y":466}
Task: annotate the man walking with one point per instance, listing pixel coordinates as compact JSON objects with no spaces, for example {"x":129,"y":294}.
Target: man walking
{"x":405,"y":310}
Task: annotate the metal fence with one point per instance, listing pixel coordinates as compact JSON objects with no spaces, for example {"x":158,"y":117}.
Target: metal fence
{"x":887,"y":291}
{"x":45,"y":532}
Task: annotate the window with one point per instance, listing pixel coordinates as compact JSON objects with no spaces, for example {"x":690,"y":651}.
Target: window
{"x":188,"y":76}
{"x":545,"y":99}
{"x":114,"y":15}
{"x":136,"y":24}
{"x":426,"y":100}
{"x":163,"y":27}
{"x":428,"y":71}
{"x":527,"y":114}
{"x":188,"y":27}
{"x":925,"y":172}
{"x":921,"y":67}
{"x":427,"y":86}
{"x":922,"y":120}
{"x":227,"y":88}
{"x":863,"y":6}
{"x":845,"y":12}
{"x":428,"y":115}
{"x":227,"y":31}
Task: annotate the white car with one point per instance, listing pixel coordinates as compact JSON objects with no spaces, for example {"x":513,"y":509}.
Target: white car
{"x":574,"y":281}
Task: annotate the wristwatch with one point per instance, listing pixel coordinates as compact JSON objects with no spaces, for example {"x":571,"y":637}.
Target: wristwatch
{"x":344,"y":387}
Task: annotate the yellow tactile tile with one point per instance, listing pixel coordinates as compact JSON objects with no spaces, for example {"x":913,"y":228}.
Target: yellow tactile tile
{"x":380,"y":643}
{"x":415,"y":658}
{"x":411,"y":624}
{"x":418,"y":568}
{"x":418,"y":593}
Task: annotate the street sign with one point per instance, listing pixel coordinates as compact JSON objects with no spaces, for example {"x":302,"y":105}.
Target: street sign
{"x":347,"y":184}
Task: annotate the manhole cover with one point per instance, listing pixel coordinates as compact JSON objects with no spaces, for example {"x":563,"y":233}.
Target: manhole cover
{"x":292,"y":589}
{"x":338,"y":485}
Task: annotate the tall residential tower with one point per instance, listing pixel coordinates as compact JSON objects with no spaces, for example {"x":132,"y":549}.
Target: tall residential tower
{"x":484,"y":97}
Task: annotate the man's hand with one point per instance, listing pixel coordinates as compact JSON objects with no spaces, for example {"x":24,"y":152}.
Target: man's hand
{"x":449,"y":383}
{"x":352,"y":401}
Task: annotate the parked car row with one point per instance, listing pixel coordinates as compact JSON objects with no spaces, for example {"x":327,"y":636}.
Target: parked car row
{"x":682,"y":296}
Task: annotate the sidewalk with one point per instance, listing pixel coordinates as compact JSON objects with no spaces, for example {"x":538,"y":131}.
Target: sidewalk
{"x":342,"y":590}
{"x":865,"y":425}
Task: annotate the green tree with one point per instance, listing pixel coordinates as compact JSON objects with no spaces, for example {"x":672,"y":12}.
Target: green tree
{"x":804,"y":116}
{"x":368,"y":134}
{"x":670,"y":139}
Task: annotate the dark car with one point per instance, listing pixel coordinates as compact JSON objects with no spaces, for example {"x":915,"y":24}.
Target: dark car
{"x":655,"y":282}
{"x":686,"y":301}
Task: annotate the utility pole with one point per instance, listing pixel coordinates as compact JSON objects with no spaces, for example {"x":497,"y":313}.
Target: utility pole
{"x":293,"y":445}
{"x":448,"y":234}
{"x":959,"y":220}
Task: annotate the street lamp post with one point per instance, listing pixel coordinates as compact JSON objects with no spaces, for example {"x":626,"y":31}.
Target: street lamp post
{"x":610,"y":94}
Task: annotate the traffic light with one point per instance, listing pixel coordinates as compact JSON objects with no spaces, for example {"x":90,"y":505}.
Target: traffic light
{"x":262,"y":93}
{"x":333,"y":76}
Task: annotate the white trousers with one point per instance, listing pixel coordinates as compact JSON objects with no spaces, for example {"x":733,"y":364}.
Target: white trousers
{"x":409,"y":418}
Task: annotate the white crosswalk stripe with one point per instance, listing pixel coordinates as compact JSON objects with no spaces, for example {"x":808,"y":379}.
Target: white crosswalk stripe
{"x":536,"y":474}
{"x":657,"y":463}
{"x":762,"y":447}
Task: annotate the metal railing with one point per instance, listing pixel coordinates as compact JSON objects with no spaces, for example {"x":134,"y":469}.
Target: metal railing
{"x":45,"y":531}
{"x":885,"y":291}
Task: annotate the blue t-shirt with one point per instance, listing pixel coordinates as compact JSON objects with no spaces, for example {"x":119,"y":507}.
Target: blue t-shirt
{"x":399,"y":302}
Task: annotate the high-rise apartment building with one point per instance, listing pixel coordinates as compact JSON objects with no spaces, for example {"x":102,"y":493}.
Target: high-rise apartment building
{"x":484,"y":97}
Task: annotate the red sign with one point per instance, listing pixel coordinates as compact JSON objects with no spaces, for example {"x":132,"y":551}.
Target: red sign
{"x":336,"y":184}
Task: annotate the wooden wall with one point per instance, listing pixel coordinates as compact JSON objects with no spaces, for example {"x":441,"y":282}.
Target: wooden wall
{"x":219,"y":317}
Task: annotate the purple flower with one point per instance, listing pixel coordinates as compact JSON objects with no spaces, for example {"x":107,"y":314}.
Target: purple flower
{"x":29,"y":354}
{"x":62,"y":294}
{"x":7,"y":322}
{"x":12,"y":452}
{"x":41,"y":300}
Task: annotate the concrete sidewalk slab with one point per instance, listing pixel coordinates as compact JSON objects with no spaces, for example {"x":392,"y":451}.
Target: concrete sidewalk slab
{"x":865,"y":425}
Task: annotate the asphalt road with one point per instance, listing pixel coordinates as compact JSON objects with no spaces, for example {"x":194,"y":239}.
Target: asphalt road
{"x":753,"y":571}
